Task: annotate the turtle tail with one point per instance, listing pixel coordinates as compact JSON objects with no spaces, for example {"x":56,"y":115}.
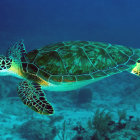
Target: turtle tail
{"x":136,"y":69}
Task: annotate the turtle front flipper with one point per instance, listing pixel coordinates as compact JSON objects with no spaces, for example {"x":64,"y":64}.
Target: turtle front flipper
{"x":32,"y":96}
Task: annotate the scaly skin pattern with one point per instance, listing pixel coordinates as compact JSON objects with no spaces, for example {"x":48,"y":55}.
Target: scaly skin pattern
{"x":17,"y":71}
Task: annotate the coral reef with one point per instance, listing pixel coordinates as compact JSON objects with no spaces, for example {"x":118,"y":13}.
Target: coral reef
{"x":104,"y":128}
{"x":101,"y":124}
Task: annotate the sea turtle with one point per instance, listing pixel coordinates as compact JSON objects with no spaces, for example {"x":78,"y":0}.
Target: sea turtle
{"x":64,"y":66}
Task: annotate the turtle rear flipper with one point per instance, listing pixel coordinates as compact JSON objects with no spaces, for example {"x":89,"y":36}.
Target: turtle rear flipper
{"x":17,"y":51}
{"x":32,"y":96}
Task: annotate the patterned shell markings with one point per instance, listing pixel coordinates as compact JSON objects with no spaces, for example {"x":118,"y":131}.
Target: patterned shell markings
{"x":79,"y":60}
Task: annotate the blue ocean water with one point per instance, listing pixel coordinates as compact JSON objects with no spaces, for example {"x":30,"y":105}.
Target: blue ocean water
{"x":82,"y":114}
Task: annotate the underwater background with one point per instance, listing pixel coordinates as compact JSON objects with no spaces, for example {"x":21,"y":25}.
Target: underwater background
{"x":106,"y":110}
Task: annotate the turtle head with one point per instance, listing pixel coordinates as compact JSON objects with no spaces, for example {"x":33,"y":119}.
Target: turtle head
{"x":5,"y":64}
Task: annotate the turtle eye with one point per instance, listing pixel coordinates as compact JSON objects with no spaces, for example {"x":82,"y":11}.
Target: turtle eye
{"x":138,"y":61}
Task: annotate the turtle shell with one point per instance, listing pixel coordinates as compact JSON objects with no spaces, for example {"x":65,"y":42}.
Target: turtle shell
{"x":79,"y":60}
